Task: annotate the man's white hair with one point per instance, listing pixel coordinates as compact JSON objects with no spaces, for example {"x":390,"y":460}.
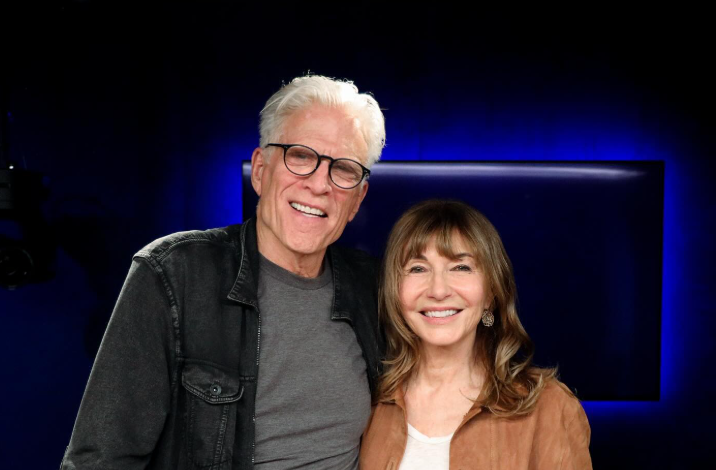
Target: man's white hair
{"x":316,"y":89}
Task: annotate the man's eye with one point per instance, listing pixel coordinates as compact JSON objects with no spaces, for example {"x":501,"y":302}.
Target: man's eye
{"x":347,"y":169}
{"x":298,"y":156}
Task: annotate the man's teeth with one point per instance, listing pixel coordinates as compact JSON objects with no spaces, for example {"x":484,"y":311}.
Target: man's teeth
{"x":440,"y":313}
{"x":308,"y":210}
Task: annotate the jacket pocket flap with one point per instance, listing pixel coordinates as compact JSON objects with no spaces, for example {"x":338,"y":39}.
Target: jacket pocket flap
{"x":212,"y":384}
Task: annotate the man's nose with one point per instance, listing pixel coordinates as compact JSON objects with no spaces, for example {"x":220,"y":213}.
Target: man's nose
{"x":319,"y":180}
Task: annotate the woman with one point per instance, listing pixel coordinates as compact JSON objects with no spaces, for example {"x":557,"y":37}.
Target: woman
{"x":459,"y":390}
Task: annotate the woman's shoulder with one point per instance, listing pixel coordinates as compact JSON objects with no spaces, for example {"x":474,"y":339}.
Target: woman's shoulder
{"x":558,"y":402}
{"x":556,"y":391}
{"x":556,"y":394}
{"x":557,"y":428}
{"x":559,"y":416}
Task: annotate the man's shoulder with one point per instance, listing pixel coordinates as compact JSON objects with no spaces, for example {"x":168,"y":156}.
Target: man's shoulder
{"x":356,"y":259}
{"x":183,"y":243}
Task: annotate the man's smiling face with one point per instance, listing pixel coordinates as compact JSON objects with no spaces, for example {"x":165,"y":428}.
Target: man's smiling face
{"x":299,"y":216}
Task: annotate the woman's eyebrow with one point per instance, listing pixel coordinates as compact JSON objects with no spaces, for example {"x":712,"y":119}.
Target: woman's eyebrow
{"x":421,"y":257}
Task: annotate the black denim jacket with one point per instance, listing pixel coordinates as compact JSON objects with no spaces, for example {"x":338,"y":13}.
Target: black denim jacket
{"x":174,"y":382}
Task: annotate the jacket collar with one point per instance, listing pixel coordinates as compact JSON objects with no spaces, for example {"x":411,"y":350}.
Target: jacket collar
{"x":343,"y":299}
{"x":246,"y":286}
{"x":397,"y":398}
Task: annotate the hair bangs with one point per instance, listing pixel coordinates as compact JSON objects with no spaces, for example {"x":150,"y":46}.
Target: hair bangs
{"x":446,"y":232}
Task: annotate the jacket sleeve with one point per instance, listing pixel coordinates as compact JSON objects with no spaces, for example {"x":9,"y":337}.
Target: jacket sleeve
{"x":128,"y":394}
{"x":576,"y":452}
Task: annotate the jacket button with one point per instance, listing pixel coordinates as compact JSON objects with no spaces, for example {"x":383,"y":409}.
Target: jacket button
{"x":216,"y":390}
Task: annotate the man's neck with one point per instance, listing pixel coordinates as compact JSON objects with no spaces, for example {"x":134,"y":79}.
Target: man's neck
{"x":304,"y":265}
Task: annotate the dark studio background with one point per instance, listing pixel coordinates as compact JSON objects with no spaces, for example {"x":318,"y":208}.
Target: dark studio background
{"x":139,"y":117}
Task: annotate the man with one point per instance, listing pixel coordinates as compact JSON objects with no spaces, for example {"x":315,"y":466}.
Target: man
{"x":256,"y":345}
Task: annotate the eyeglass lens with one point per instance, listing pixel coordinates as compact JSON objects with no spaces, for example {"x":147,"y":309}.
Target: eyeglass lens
{"x":304,"y":161}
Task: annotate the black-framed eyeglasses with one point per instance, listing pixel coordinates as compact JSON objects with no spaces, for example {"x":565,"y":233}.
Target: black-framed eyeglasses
{"x":303,"y":161}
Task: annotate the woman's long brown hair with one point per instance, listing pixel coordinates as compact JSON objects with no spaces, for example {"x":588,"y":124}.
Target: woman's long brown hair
{"x":505,"y":351}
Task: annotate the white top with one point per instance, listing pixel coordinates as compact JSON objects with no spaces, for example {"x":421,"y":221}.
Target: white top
{"x":426,"y":453}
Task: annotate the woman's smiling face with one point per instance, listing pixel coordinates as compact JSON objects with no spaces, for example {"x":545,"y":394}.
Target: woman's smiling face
{"x":443,"y":298}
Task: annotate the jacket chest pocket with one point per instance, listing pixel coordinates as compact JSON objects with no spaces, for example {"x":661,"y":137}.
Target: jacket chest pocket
{"x":210,"y":413}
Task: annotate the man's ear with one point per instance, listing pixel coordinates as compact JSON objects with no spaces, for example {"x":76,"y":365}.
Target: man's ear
{"x":363,"y":190}
{"x":258,"y":163}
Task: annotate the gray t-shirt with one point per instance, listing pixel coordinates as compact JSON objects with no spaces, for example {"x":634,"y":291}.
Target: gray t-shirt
{"x":313,"y":399}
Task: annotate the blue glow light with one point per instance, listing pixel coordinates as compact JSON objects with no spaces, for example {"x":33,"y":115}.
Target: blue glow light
{"x":560,"y":140}
{"x":526,"y":171}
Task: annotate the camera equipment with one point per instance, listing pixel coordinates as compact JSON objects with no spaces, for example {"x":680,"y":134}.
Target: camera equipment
{"x":26,"y":251}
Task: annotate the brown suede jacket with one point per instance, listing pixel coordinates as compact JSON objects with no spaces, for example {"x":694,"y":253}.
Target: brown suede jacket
{"x":554,"y":436}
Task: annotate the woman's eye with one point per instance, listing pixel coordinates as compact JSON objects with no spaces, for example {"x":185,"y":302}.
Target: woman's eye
{"x":416,"y":269}
{"x":463,"y":268}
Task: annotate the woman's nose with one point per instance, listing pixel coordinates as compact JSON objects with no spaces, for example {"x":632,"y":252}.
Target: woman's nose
{"x":439,"y":287}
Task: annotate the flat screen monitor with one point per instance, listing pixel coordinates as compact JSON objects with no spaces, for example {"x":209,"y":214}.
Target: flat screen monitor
{"x":585,"y":240}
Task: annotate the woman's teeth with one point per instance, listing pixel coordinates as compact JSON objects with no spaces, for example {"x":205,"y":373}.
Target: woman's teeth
{"x":439,"y":313}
